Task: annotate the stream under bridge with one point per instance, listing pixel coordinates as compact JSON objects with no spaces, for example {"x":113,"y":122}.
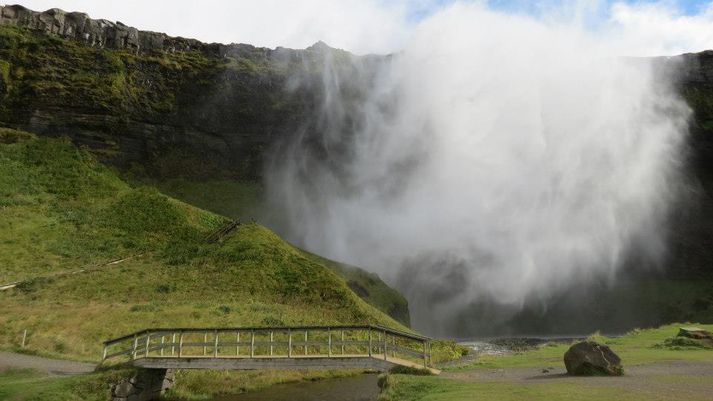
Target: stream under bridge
{"x":246,"y":348}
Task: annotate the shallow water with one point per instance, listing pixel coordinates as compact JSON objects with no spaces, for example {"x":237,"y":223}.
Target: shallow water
{"x":357,"y":388}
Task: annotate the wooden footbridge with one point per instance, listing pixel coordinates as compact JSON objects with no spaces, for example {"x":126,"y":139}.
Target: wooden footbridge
{"x":242,"y":348}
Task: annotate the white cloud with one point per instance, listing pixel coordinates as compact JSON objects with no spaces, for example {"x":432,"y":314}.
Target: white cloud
{"x":659,"y":29}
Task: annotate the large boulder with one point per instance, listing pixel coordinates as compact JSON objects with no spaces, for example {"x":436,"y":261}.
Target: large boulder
{"x":589,"y":358}
{"x":697,"y":335}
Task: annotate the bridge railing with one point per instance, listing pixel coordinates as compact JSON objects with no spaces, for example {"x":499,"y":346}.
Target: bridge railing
{"x":272,"y":342}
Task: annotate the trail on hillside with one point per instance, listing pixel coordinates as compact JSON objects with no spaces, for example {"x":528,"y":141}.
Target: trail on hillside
{"x":11,"y":360}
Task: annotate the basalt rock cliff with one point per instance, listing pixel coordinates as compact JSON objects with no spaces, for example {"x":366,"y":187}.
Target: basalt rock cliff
{"x":102,"y":33}
{"x":145,"y":98}
{"x":178,"y":106}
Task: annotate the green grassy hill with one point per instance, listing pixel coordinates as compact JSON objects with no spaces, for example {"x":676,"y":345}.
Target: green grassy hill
{"x":61,"y":211}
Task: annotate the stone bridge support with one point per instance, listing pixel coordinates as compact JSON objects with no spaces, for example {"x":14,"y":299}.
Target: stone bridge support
{"x":146,"y":385}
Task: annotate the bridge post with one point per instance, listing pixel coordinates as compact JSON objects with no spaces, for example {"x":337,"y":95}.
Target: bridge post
{"x":425,"y":360}
{"x":237,"y":341}
{"x":205,"y":340}
{"x":180,"y":344}
{"x":215,"y":345}
{"x":385,"y":343}
{"x":289,"y":343}
{"x":305,"y":341}
{"x":271,"y":340}
{"x":136,"y":344}
{"x":342,"y":341}
{"x":106,"y":347}
{"x":329,"y":342}
{"x":148,"y":343}
{"x":430,"y":354}
{"x":252,"y":343}
{"x":162,"y":341}
{"x":369,"y":342}
{"x":173,"y":344}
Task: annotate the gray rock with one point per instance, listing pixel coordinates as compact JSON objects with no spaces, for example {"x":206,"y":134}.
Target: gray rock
{"x":146,"y":385}
{"x":123,"y":390}
{"x":97,"y":32}
{"x":589,"y":358}
{"x":695,"y":333}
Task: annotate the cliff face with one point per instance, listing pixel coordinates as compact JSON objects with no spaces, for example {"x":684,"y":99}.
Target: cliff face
{"x":101,"y":33}
{"x":178,"y":106}
{"x":692,"y":223}
{"x":136,"y":96}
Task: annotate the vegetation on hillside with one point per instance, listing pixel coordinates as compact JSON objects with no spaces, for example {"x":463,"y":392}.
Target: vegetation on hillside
{"x":62,"y":211}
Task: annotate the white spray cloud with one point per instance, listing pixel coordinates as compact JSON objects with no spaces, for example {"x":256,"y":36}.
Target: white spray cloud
{"x":526,"y":154}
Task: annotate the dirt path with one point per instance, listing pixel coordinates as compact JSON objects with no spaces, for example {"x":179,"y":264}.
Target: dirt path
{"x":9,"y":360}
{"x":674,"y":379}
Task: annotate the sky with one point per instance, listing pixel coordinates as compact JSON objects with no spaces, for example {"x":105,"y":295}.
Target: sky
{"x":663,"y":27}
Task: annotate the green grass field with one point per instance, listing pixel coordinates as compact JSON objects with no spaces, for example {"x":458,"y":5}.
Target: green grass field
{"x":60,"y":211}
{"x":28,"y":385}
{"x":414,"y":388}
{"x":635,"y":348}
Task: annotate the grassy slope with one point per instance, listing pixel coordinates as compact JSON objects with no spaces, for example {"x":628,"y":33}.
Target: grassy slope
{"x":637,"y":347}
{"x":240,"y":200}
{"x":60,"y":210}
{"x":27,"y":385}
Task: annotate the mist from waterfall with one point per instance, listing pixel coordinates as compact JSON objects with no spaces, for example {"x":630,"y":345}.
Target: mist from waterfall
{"x":495,"y":160}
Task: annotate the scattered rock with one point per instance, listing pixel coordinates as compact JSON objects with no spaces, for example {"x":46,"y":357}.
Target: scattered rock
{"x":589,"y":358}
{"x":691,"y":337}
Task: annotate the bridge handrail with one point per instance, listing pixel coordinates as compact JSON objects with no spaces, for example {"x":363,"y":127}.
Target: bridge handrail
{"x":364,"y":341}
{"x":139,"y":333}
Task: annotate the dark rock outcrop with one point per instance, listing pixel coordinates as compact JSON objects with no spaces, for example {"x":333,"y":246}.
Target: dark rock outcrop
{"x":589,"y":358}
{"x":101,"y":33}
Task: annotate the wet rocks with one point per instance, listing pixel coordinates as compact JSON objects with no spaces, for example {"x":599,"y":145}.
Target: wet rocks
{"x":589,"y":358}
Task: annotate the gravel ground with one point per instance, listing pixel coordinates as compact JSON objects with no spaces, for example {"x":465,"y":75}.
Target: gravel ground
{"x":9,"y":360}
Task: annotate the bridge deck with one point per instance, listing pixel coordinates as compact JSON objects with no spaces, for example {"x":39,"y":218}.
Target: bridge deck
{"x":367,"y":347}
{"x":375,"y":362}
